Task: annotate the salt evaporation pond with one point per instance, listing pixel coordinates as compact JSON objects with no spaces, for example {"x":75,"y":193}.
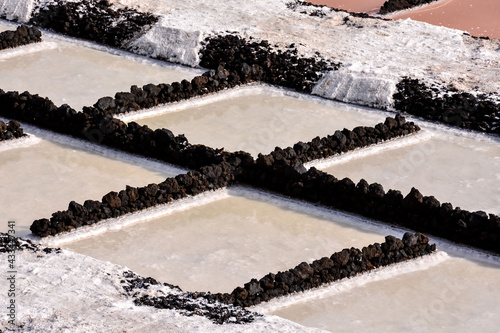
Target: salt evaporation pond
{"x":37,"y":180}
{"x":455,"y":295}
{"x":478,"y":17}
{"x":454,"y":168}
{"x":257,"y":119}
{"x":69,"y":73}
{"x":221,"y":245}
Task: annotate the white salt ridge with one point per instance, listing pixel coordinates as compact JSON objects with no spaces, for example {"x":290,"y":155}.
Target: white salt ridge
{"x":137,"y":57}
{"x":357,"y":88}
{"x":69,"y":291}
{"x":347,"y":284}
{"x":23,"y":142}
{"x":26,"y":49}
{"x":394,"y":143}
{"x":131,"y":218}
{"x":172,"y":44}
{"x":99,"y":149}
{"x":247,"y":90}
{"x":18,"y":10}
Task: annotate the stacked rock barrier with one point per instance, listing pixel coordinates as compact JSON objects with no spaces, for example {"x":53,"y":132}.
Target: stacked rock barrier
{"x":257,"y":61}
{"x":151,"y":95}
{"x":234,"y":61}
{"x":344,"y":264}
{"x":396,"y":5}
{"x":11,"y":130}
{"x":211,"y":177}
{"x":456,"y":109}
{"x":99,"y":127}
{"x":132,"y":199}
{"x":23,"y":35}
{"x":94,"y":20}
{"x":343,"y":141}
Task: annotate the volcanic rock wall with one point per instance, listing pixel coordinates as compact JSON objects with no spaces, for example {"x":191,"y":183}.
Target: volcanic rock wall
{"x":395,"y":5}
{"x":11,"y":130}
{"x":23,"y":35}
{"x":456,"y":109}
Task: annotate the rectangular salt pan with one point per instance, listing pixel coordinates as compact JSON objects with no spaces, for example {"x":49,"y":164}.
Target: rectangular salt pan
{"x":73,"y":74}
{"x":39,"y":180}
{"x":457,"y":295}
{"x":259,"y":119}
{"x":456,"y":169}
{"x":221,"y":245}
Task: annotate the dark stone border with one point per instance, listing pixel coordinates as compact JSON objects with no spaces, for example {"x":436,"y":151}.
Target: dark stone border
{"x":279,"y":171}
{"x":396,"y":5}
{"x":341,"y":142}
{"x":23,"y":35}
{"x":217,"y":169}
{"x":152,"y":95}
{"x":187,"y":303}
{"x":257,"y":61}
{"x":457,"y":109}
{"x":98,"y":127}
{"x":132,"y":199}
{"x":10,"y":131}
{"x":234,"y":61}
{"x":229,"y":308}
{"x":94,"y":20}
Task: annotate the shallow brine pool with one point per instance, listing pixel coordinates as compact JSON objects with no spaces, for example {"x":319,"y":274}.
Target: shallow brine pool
{"x":257,"y":119}
{"x":451,"y":294}
{"x":70,"y":73}
{"x":221,"y":245}
{"x":461,"y":169}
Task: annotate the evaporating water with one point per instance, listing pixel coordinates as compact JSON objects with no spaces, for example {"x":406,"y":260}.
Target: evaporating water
{"x":221,"y":245}
{"x":68,"y":73}
{"x":456,"y":169}
{"x":457,"y":295}
{"x":259,"y":119}
{"x":478,"y":17}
